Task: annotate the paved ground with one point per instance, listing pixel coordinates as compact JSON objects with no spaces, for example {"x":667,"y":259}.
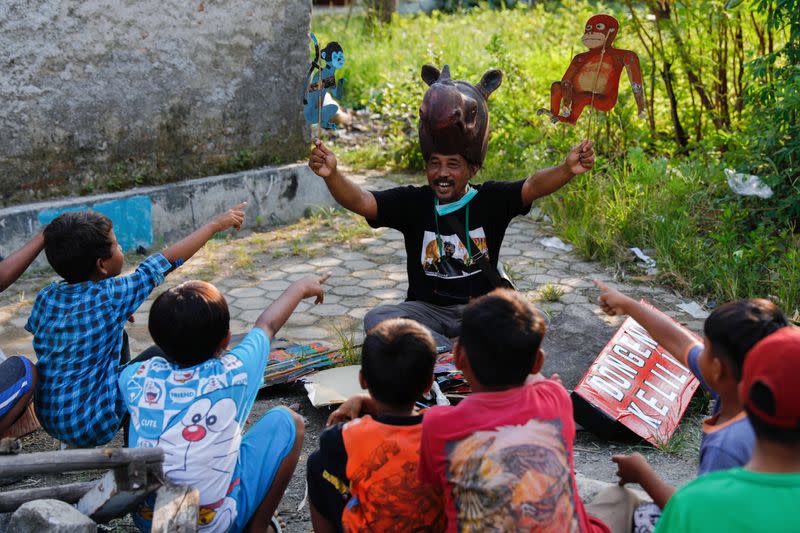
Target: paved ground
{"x":368,"y":269}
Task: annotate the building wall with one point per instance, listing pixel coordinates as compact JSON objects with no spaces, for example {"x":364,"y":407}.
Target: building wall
{"x":100,"y":95}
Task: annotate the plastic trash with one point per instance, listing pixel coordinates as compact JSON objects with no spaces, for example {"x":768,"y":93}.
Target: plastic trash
{"x":694,"y":309}
{"x":555,"y":242}
{"x":648,"y":261}
{"x":747,"y":184}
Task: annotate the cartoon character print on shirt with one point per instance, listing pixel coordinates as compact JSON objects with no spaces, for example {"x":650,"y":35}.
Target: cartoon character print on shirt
{"x":202,"y":443}
{"x":454,"y":261}
{"x":514,"y":478}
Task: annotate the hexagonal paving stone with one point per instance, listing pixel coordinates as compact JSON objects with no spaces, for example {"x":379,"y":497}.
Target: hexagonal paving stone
{"x":389,"y":294}
{"x":328,"y":310}
{"x":538,"y":254}
{"x":245,"y":292}
{"x":359,"y":312}
{"x":368,"y":274}
{"x":349,"y":256}
{"x":337,"y":281}
{"x":239,"y":326}
{"x":360,"y":265}
{"x":576,"y":282}
{"x":298,"y":267}
{"x":377,"y":283}
{"x":381,"y":250}
{"x":349,"y":290}
{"x":274,"y":285}
{"x":305,"y":333}
{"x":250,"y":317}
{"x":325,"y":261}
{"x":247,"y":304}
{"x":398,"y":276}
{"x":393,"y":267}
{"x":302,"y":319}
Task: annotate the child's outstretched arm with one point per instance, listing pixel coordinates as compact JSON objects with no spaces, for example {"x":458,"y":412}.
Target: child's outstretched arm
{"x":188,"y":246}
{"x":635,"y":469}
{"x":276,"y":315}
{"x":12,"y":267}
{"x":673,"y":337}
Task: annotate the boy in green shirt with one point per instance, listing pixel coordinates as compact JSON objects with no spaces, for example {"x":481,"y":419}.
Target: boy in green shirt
{"x":763,"y":495}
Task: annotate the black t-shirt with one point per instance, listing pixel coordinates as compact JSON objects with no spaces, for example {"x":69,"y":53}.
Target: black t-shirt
{"x":440,"y":271}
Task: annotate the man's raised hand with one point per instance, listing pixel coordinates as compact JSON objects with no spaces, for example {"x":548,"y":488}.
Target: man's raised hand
{"x":322,"y":161}
{"x":581,"y":158}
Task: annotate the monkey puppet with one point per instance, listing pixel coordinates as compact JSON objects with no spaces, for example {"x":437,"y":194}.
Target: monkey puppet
{"x":318,"y":84}
{"x":593,"y":77}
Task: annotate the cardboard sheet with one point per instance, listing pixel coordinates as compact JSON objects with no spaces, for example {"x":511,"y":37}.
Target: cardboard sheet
{"x":333,"y":386}
{"x":634,"y":385}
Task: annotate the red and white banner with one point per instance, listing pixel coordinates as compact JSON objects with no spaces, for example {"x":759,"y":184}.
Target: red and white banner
{"x":636,"y":383}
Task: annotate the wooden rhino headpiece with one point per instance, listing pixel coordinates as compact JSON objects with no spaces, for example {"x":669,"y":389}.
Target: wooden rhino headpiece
{"x":454,"y":115}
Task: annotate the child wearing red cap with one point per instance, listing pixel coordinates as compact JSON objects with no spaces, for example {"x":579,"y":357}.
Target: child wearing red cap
{"x":763,"y":495}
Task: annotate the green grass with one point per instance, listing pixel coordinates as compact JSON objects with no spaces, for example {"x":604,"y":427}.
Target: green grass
{"x":348,"y":348}
{"x":551,"y":293}
{"x":708,"y":242}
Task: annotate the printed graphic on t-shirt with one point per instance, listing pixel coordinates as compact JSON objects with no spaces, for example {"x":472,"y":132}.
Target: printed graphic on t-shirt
{"x":514,"y":478}
{"x":454,"y":261}
{"x":396,"y":486}
{"x":193,"y":416}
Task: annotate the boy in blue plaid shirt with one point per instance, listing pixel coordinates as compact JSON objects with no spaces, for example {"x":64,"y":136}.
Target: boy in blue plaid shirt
{"x":78,"y":323}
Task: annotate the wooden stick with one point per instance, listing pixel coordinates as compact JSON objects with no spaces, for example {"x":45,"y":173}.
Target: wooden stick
{"x":70,"y":493}
{"x":28,"y":464}
{"x":594,"y":86}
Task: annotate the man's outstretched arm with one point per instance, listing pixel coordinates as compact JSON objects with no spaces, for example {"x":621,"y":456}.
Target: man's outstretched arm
{"x":349,"y":195}
{"x":580,"y":159}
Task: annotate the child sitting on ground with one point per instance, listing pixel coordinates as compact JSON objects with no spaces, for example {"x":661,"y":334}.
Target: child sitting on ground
{"x":763,"y":495}
{"x":17,"y":374}
{"x":364,"y":475}
{"x":730,"y":331}
{"x":78,"y":323}
{"x":194,"y":399}
{"x":503,"y":456}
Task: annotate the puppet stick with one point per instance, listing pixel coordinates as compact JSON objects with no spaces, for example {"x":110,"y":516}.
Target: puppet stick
{"x":319,"y":106}
{"x":594,"y":86}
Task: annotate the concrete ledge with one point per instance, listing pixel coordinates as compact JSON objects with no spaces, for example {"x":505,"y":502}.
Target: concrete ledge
{"x":153,"y":216}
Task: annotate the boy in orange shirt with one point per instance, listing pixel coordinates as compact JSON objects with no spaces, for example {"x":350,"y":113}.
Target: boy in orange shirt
{"x":364,"y":475}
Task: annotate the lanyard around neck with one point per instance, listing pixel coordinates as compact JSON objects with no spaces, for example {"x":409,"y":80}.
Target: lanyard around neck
{"x":467,"y":239}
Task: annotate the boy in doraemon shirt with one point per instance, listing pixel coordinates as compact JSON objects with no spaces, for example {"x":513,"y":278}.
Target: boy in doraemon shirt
{"x":193,"y":399}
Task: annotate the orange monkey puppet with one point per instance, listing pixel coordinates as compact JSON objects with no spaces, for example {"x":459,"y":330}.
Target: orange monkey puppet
{"x":593,"y":77}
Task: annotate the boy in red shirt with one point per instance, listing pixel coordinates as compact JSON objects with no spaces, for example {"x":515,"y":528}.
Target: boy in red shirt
{"x":503,"y":456}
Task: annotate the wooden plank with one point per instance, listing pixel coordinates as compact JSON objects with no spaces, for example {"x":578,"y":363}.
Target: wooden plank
{"x":177,"y":508}
{"x":27,"y":423}
{"x":28,"y":464}
{"x":118,"y":492}
{"x":70,"y":493}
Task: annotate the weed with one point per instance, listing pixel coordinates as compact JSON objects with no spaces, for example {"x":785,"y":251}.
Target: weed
{"x":514,"y":274}
{"x":551,"y":293}
{"x":244,"y":259}
{"x":349,"y":350}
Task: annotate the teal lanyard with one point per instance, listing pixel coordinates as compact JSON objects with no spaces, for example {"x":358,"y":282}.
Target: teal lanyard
{"x":468,"y":239}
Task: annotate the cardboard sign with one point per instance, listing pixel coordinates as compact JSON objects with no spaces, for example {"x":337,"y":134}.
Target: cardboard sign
{"x":636,"y":386}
